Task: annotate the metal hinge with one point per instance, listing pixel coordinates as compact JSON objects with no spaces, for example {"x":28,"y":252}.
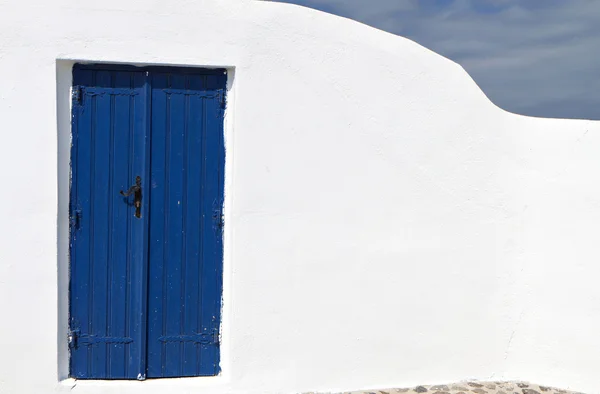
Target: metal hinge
{"x":211,"y":337}
{"x":76,"y":219}
{"x":222,"y":97}
{"x":219,"y":218}
{"x":76,"y":339}
{"x":76,"y":94}
{"x":72,"y":339}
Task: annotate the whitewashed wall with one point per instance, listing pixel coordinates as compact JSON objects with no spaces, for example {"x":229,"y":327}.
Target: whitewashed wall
{"x":386,"y":225}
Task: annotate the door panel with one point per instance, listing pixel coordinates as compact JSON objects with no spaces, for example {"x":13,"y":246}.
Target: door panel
{"x":145,"y":291}
{"x":107,"y":315}
{"x":187,"y":181}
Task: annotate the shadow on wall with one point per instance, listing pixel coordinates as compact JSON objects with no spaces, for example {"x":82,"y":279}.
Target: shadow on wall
{"x":63,"y":90}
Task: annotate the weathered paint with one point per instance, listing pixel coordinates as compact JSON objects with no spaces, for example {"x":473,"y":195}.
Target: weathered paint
{"x":144,"y":307}
{"x":186,"y":249}
{"x":108,"y":257}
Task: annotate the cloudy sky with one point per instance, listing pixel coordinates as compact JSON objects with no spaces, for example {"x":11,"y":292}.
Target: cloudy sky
{"x":533,"y":57}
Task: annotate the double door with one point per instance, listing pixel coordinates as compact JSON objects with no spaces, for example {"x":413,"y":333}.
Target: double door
{"x":147,"y":170}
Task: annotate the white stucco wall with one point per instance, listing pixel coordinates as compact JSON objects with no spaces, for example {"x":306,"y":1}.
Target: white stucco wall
{"x":386,"y":224}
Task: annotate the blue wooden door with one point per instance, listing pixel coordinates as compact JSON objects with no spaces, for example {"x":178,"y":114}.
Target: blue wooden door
{"x":146,"y":222}
{"x":185,"y":235}
{"x":108,"y":242}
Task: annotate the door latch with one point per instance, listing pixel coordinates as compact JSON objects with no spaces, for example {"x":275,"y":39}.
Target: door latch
{"x":72,"y":339}
{"x":136,"y":190}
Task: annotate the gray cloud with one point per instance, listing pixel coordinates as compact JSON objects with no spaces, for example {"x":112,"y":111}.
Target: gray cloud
{"x":533,"y":57}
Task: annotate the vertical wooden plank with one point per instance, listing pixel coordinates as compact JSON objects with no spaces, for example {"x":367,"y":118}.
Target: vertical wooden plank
{"x":158,"y":205}
{"x":120,"y":221}
{"x":174,"y":215}
{"x":195,"y":130}
{"x":81,"y":164}
{"x":140,"y":166}
{"x":211,"y":236}
{"x":221,"y":85}
{"x":100,"y":204}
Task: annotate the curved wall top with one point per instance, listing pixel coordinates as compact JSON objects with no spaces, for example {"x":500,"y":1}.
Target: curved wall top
{"x":386,"y":224}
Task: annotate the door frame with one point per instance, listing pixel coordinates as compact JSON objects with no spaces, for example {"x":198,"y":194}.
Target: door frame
{"x":64,"y":81}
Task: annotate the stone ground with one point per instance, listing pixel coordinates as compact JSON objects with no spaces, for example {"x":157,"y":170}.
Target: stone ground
{"x":473,"y":388}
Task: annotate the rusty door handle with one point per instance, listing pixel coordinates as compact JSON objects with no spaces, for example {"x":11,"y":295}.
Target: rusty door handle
{"x":136,"y":190}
